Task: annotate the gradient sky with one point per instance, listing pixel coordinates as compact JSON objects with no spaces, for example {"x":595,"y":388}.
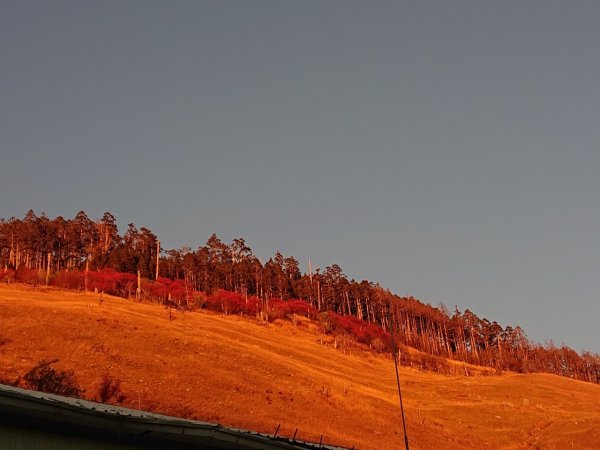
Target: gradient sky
{"x":448,"y":150}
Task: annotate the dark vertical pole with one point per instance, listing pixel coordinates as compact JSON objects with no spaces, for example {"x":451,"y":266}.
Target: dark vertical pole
{"x":398,"y":378}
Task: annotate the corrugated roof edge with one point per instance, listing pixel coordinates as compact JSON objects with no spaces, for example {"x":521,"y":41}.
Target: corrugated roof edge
{"x":103,"y":417}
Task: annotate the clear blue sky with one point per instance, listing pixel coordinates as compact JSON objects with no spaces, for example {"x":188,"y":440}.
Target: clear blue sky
{"x":448,"y":150}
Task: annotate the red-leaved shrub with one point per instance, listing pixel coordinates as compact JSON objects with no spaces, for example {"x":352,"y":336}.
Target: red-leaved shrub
{"x":111,"y":282}
{"x":7,"y":276}
{"x":293,"y":306}
{"x":30,"y":276}
{"x":232,"y":303}
{"x":68,"y":279}
{"x":364,"y":332}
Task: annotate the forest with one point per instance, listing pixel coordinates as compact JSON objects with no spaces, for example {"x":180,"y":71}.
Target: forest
{"x":90,"y":254}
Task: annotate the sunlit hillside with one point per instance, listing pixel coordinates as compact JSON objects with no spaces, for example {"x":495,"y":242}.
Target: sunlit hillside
{"x":240,"y":372}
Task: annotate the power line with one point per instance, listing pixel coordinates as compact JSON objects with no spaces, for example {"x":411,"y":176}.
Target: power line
{"x":394,"y":350}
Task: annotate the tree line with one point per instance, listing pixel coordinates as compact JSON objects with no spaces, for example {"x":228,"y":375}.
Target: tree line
{"x":85,"y":253}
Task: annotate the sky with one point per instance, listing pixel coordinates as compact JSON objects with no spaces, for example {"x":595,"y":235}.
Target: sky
{"x":447,"y":150}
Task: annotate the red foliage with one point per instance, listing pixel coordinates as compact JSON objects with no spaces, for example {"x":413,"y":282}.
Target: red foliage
{"x":121,"y":284}
{"x":7,"y":275}
{"x":294,"y":306}
{"x":29,"y":276}
{"x":111,"y":282}
{"x":106,"y":280}
{"x":68,"y":279}
{"x":232,"y":303}
{"x":166,"y":290}
{"x":363,"y":332}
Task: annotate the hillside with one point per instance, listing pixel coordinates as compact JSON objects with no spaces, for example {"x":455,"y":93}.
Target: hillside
{"x":83,"y":254}
{"x":239,"y":372}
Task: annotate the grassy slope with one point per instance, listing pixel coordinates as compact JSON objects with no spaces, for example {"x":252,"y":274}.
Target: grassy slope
{"x":240,"y":373}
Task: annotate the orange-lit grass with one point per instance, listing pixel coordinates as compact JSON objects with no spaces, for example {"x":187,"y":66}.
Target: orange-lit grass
{"x":241,"y":373}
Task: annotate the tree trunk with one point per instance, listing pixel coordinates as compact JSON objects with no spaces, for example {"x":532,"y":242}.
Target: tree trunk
{"x":87,"y":269}
{"x":48,"y":268}
{"x":138,"y":291}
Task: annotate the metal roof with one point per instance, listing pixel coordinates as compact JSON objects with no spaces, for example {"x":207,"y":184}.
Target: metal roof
{"x":86,"y":415}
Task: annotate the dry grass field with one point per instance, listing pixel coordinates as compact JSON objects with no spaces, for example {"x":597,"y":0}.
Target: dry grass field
{"x":241,"y":373}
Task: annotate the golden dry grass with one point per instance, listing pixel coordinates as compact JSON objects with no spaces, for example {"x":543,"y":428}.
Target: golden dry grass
{"x":241,"y":373}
